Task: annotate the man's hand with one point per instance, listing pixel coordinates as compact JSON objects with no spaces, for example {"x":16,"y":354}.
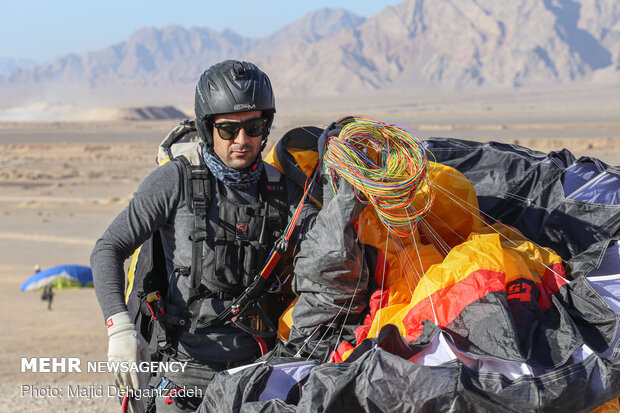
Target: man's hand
{"x":127,"y":345}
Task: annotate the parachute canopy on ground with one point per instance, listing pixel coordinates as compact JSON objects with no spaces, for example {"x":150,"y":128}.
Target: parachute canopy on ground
{"x":59,"y":278}
{"x":495,"y":323}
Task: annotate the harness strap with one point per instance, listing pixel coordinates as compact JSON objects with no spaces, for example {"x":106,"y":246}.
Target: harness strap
{"x":201,"y":189}
{"x":272,"y":190}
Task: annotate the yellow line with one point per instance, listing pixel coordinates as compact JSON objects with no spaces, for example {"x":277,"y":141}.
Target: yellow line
{"x":16,"y":236}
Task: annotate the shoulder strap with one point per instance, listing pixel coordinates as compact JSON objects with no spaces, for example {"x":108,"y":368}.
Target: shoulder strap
{"x":198,"y":192}
{"x":272,"y":190}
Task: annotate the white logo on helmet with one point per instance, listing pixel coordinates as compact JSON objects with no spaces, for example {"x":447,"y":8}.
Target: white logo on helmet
{"x":202,"y":98}
{"x":244,"y":106}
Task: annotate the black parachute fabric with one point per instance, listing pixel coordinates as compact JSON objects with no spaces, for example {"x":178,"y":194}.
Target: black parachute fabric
{"x":555,"y":200}
{"x":434,"y":375}
{"x":500,"y":354}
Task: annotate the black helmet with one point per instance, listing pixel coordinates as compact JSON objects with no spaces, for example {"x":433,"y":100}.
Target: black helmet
{"x":229,"y":87}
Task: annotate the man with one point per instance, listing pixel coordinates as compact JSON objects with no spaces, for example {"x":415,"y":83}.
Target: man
{"x":234,"y":107}
{"x":48,"y":295}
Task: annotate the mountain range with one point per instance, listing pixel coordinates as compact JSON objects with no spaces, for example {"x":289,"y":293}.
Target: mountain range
{"x":416,"y":45}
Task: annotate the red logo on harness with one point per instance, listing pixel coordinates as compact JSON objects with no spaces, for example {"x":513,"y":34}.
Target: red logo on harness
{"x":242,"y":230}
{"x":519,"y":291}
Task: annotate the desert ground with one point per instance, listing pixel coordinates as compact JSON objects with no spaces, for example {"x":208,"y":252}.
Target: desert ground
{"x":61,"y":183}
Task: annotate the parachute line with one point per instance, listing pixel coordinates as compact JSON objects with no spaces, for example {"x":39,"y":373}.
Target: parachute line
{"x":438,"y":218}
{"x":439,"y":242}
{"x":506,"y":193}
{"x":407,"y":264}
{"x":447,"y":193}
{"x":508,"y":227}
{"x":307,"y":340}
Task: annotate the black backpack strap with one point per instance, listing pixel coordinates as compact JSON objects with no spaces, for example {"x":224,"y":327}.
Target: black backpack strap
{"x":198,"y":183}
{"x":272,"y":190}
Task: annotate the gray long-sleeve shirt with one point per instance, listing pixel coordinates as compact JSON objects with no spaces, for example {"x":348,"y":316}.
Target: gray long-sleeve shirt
{"x":160,"y":204}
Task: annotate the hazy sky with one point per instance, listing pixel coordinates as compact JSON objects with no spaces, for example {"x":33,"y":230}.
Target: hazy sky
{"x":40,"y":29}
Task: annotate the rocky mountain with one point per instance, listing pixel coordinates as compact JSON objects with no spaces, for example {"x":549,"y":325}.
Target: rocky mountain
{"x":8,"y":65}
{"x":418,"y":44}
{"x":152,"y":57}
{"x":461,"y":44}
{"x":312,"y":28}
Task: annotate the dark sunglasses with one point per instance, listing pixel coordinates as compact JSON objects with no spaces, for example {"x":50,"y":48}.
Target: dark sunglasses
{"x":253,"y":127}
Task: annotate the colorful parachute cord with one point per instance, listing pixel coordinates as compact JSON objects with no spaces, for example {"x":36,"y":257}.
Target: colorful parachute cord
{"x":387,"y":164}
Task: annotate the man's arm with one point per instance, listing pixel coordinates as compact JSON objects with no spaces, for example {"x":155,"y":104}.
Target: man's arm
{"x":153,"y":204}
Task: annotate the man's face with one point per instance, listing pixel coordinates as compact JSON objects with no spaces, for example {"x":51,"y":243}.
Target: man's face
{"x":242,"y":151}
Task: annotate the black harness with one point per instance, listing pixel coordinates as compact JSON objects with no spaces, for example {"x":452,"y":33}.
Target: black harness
{"x":244,"y":235}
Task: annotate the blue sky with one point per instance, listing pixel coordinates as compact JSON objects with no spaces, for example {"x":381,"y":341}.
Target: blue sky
{"x":41,"y":30}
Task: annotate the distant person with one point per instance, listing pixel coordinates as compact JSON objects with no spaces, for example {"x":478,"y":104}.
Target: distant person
{"x":211,"y":258}
{"x":48,"y":295}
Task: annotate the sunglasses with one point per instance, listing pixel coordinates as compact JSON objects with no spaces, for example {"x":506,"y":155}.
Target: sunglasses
{"x":253,"y":127}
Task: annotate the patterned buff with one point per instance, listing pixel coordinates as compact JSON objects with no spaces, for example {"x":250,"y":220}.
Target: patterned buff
{"x":238,"y":179}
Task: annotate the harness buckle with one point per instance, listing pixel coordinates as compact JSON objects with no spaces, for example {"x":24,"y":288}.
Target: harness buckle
{"x":259,"y":323}
{"x":198,"y":235}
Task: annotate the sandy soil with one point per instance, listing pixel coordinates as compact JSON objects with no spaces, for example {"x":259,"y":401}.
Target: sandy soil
{"x":62,"y":183}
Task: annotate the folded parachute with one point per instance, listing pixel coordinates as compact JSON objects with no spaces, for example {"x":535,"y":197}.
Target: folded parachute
{"x":505,"y":299}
